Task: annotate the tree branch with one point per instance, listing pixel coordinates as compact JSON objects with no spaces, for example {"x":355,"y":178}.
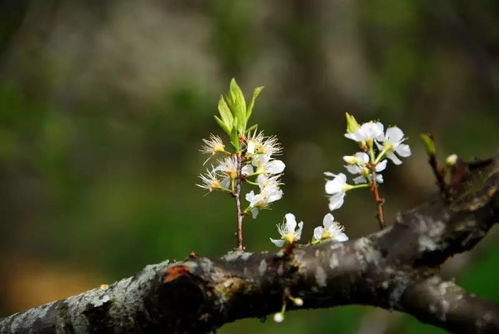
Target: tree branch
{"x":396,"y":268}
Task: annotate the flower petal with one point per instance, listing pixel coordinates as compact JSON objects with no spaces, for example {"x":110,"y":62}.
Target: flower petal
{"x":328,"y":220}
{"x":403,"y":150}
{"x":336,"y":185}
{"x":278,"y":242}
{"x":381,"y":166}
{"x":364,"y":157}
{"x":336,"y":201}
{"x":359,"y":180}
{"x":247,"y":170}
{"x":394,"y":135}
{"x":254,"y":213}
{"x":394,"y":158}
{"x":275,"y":167}
{"x":290,"y":222}
{"x":340,"y":237}
{"x":353,"y":169}
{"x":298,"y":231}
{"x":318,"y":233}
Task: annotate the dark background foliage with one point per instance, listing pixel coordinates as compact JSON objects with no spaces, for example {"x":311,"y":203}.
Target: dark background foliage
{"x":103,"y":105}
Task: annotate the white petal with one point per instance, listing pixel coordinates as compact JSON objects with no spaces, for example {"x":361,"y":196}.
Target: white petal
{"x":328,"y":220}
{"x":275,"y":167}
{"x":394,"y":134}
{"x":356,"y":136}
{"x":298,"y":231}
{"x":260,"y":159}
{"x":249,"y":196}
{"x":254,"y":212}
{"x":364,"y":157}
{"x":381,"y":166}
{"x":329,"y":174}
{"x":394,"y":158}
{"x":336,"y":185}
{"x":251,"y":147}
{"x":279,"y":243}
{"x":247,"y":170}
{"x":359,"y":179}
{"x":340,"y":237}
{"x":336,"y":201}
{"x":379,"y":130}
{"x":379,"y":178}
{"x":290,"y":222}
{"x":403,"y":150}
{"x":318,"y":233}
{"x":226,"y":182}
{"x":275,"y":196}
{"x":353,"y":169}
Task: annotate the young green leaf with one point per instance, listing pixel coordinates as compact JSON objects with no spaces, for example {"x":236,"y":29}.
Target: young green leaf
{"x":237,"y":105}
{"x":429,"y":144}
{"x":252,"y":128}
{"x":249,"y":111}
{"x":225,"y":113}
{"x":222,"y":124}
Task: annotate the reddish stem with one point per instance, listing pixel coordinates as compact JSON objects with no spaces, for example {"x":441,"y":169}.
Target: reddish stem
{"x":379,"y":201}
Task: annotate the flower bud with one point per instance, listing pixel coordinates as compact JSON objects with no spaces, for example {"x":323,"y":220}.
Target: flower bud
{"x":451,"y":160}
{"x":350,"y":159}
{"x":279,"y":317}
{"x":352,"y":124}
{"x":298,"y":301}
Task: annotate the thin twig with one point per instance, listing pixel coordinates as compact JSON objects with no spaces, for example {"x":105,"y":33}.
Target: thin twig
{"x":240,"y":214}
{"x":437,"y":171}
{"x":379,"y":201}
{"x":432,"y":160}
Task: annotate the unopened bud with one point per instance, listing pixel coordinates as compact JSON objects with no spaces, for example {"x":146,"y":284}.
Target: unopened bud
{"x":451,"y":160}
{"x":352,"y":124}
{"x":279,"y":317}
{"x":350,"y":159}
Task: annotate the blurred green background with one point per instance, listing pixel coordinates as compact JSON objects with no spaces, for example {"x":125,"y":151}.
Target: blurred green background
{"x":103,"y":105}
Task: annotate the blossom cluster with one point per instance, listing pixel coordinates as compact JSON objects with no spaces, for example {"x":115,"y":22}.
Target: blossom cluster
{"x":376,"y":145}
{"x":256,"y":160}
{"x":290,"y":231}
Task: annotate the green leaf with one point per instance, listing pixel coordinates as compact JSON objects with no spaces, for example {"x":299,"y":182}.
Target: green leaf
{"x":251,"y":128}
{"x":225,"y":113}
{"x":256,"y":92}
{"x":428,"y":142}
{"x":237,"y":105}
{"x":222,"y":124}
{"x":234,"y":139}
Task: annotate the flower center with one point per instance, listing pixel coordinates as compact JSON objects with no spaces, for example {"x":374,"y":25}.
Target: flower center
{"x":289,"y":237}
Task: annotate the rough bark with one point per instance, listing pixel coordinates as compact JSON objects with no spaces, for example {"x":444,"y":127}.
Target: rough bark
{"x":396,"y":269}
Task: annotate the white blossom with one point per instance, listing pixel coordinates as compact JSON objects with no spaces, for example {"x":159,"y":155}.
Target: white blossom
{"x":361,"y":168}
{"x":336,"y":188}
{"x":265,"y":165}
{"x":210,"y":180}
{"x":257,"y":143}
{"x":269,"y":192}
{"x":367,"y":131}
{"x":330,"y":230}
{"x":213,"y":145}
{"x":229,"y":166}
{"x":392,"y":143}
{"x":288,"y":231}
